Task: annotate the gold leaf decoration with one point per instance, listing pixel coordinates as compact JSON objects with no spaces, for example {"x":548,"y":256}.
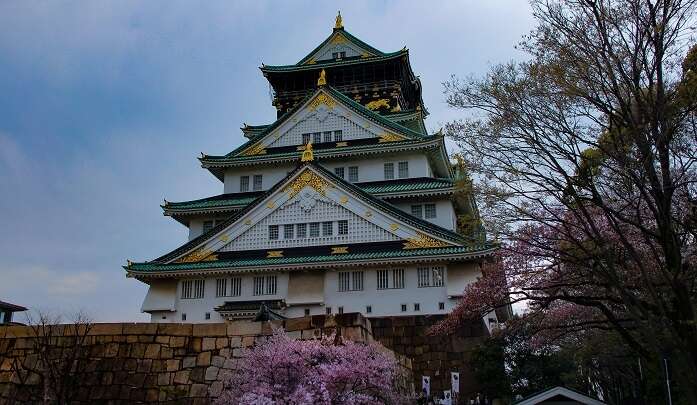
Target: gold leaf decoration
{"x":388,"y":137}
{"x":306,"y":178}
{"x":312,"y":61}
{"x":224,"y":238}
{"x":270,"y":205}
{"x":247,"y":221}
{"x":198,"y":255}
{"x":422,"y":241}
{"x":343,"y":199}
{"x":376,"y":104}
{"x":257,"y":149}
{"x":274,"y":253}
{"x":340,"y":144}
{"x":338,"y":39}
{"x":394,"y":227}
{"x":322,"y":99}
{"x":338,"y":250}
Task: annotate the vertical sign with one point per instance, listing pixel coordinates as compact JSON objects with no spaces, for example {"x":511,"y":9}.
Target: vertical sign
{"x":455,"y":382}
{"x":447,"y":398}
{"x":426,"y":385}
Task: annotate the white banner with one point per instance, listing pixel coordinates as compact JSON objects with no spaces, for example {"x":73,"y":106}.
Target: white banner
{"x":426,"y":385}
{"x":447,"y":398}
{"x":455,"y":382}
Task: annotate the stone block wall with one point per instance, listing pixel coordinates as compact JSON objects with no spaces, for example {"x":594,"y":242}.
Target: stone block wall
{"x":146,"y":363}
{"x":434,"y":356}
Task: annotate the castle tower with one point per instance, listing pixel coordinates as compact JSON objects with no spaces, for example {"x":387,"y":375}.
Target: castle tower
{"x":344,"y":203}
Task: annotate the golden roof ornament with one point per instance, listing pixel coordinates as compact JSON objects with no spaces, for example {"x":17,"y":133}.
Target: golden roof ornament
{"x":307,"y":153}
{"x":339,"y":21}
{"x":322,"y":80}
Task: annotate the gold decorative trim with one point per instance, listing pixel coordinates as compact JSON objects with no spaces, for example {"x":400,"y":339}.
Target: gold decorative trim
{"x":306,"y":178}
{"x":257,"y":149}
{"x":270,"y":205}
{"x":394,"y":227}
{"x":338,"y":22}
{"x":376,"y":104}
{"x":247,"y":221}
{"x":224,"y":238}
{"x":322,"y":80}
{"x":388,"y":137}
{"x":422,"y":241}
{"x":341,"y":144}
{"x":322,"y":99}
{"x":300,"y":148}
{"x":274,"y":253}
{"x":307,"y":155}
{"x":339,"y":250}
{"x":366,"y":55}
{"x":368,"y":214}
{"x":338,"y":39}
{"x":312,"y":61}
{"x":198,"y":255}
{"x":343,"y":199}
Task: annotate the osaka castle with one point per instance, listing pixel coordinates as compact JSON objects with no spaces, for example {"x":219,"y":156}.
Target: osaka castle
{"x":344,"y":202}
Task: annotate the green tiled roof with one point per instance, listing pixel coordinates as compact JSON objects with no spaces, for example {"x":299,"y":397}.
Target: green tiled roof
{"x":394,"y":254}
{"x":333,"y":63}
{"x":349,"y":37}
{"x":239,"y":200}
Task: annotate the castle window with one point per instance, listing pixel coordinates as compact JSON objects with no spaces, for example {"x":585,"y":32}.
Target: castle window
{"x":317,"y":137}
{"x":327,"y":228}
{"x":403,"y":170}
{"x":350,"y":281}
{"x":207,"y":226}
{"x":288,"y":231}
{"x":307,"y":311}
{"x":343,"y":227}
{"x":257,"y":182}
{"x":404,"y":307}
{"x":383,"y":278}
{"x":306,"y":138}
{"x":398,"y":278}
{"x":369,"y":309}
{"x":430,"y":210}
{"x":265,"y":285}
{"x":236,"y":286}
{"x":389,"y":171}
{"x":417,"y":211}
{"x":244,"y":184}
{"x":341,"y":310}
{"x":192,"y":289}
{"x":417,"y":307}
{"x":301,"y":232}
{"x":183,"y":317}
{"x":430,"y":276}
{"x":273,"y":232}
{"x":338,"y":136}
{"x":441,"y":305}
{"x":208,"y":315}
{"x":327,"y":136}
{"x":314,"y":229}
{"x":353,"y":174}
{"x":329,"y":310}
{"x":221,"y":287}
{"x":339,"y":171}
{"x":339,"y":55}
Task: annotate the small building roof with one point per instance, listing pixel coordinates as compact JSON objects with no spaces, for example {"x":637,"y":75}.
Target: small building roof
{"x":559,"y":395}
{"x":6,"y":306}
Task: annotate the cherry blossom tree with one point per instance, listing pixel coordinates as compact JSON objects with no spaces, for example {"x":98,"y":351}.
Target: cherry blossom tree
{"x":319,"y":371}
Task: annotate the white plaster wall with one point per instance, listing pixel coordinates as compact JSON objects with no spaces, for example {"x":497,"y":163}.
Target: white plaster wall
{"x":384,"y":302}
{"x":196,"y":225}
{"x":445,"y":213}
{"x":368,"y":170}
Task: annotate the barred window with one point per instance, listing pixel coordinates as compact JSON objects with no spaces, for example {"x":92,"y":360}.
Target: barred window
{"x":265,"y":285}
{"x":343,"y":227}
{"x":389,"y":171}
{"x":314,"y":229}
{"x":430,"y":210}
{"x":357,"y":278}
{"x":344,"y":281}
{"x":244,"y":184}
{"x":417,"y":211}
{"x":317,"y":137}
{"x":338,"y":136}
{"x":353,"y":174}
{"x":221,"y":287}
{"x":236,"y":286}
{"x":327,"y":136}
{"x":306,"y":139}
{"x":417,"y":307}
{"x":398,"y":278}
{"x":404,"y":307}
{"x":339,"y":171}
{"x":288,"y":231}
{"x":403,"y":168}
{"x":207,"y":226}
{"x":257,"y":182}
{"x":383,"y":279}
{"x":350,"y":281}
{"x":301,"y":231}
{"x":430,"y":276}
{"x":327,"y":228}
{"x":273,"y":232}
{"x":187,"y":289}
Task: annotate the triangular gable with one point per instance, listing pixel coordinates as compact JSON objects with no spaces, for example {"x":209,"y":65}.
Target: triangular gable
{"x":325,"y":110}
{"x":311,"y":184}
{"x":340,"y":40}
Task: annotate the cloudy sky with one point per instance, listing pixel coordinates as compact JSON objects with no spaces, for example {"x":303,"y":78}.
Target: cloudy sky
{"x":104,"y":107}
